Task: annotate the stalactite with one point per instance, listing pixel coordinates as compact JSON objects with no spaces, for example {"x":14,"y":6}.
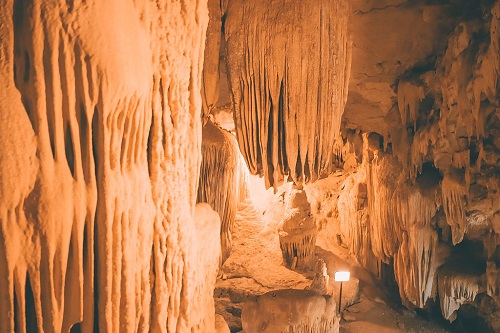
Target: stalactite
{"x":415,"y":265}
{"x":457,"y":285}
{"x":486,"y":73}
{"x":466,"y":79}
{"x":391,"y":220}
{"x":423,"y":141}
{"x":385,"y":225}
{"x":290,"y":311}
{"x":289,"y":85}
{"x":452,"y":111}
{"x":409,"y":98}
{"x":210,"y":82}
{"x":223,"y":178}
{"x":298,"y":249}
{"x":400,"y":219}
{"x":453,"y":192}
{"x":355,"y":221}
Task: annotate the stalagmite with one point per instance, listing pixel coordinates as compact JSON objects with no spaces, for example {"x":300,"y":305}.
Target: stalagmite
{"x":289,"y":67}
{"x":297,"y":231}
{"x":321,"y":279}
{"x":223,"y":178}
{"x":290,"y":311}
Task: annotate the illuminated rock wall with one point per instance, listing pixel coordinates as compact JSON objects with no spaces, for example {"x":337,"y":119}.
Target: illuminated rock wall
{"x":288,"y":65}
{"x":432,"y":178}
{"x":100,"y":137}
{"x":223,"y":179}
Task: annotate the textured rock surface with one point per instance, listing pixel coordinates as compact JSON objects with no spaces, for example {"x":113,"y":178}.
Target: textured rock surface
{"x":390,"y":37}
{"x":288,"y":311}
{"x":431,"y":180}
{"x":420,"y":131}
{"x":288,"y":67}
{"x":100,"y":133}
{"x":297,"y":231}
{"x":223,"y":179}
{"x":100,"y":136}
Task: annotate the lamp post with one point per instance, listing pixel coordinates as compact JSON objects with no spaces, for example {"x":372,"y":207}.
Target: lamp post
{"x":341,"y":276}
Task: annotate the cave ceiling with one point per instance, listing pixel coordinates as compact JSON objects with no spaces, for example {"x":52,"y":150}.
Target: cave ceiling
{"x":394,"y":39}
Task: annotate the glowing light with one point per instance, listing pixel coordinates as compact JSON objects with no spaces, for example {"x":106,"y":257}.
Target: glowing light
{"x":342,"y":276}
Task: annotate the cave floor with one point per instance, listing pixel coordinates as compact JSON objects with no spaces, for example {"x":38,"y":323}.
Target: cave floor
{"x":255,"y":267}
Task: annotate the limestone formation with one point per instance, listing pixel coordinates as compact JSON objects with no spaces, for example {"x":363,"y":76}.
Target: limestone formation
{"x":103,"y":156}
{"x":432,"y":178}
{"x":458,"y":285}
{"x":288,"y":310}
{"x":289,"y":67}
{"x":223,"y":178}
{"x":297,"y":231}
{"x":100,"y":136}
{"x":321,"y":279}
{"x":210,"y":82}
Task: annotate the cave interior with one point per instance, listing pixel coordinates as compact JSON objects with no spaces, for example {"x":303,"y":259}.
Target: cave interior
{"x":210,"y":165}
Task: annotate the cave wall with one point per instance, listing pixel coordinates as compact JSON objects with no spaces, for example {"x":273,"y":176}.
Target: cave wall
{"x":432,"y":180}
{"x":100,"y":136}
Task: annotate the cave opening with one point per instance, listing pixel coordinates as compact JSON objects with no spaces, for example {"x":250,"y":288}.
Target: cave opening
{"x":429,"y":177}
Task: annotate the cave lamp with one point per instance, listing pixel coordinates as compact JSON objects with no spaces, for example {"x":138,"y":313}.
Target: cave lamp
{"x":341,"y":276}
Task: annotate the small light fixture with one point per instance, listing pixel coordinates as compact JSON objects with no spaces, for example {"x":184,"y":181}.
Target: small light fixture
{"x":341,"y":276}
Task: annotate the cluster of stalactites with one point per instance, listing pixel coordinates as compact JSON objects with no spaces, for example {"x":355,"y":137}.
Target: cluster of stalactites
{"x":317,"y":326}
{"x":395,"y":221}
{"x":468,"y":93}
{"x":223,"y":179}
{"x":354,"y":220}
{"x":400,"y":228}
{"x":289,"y":65}
{"x":298,"y":250}
{"x":415,"y":265}
{"x":453,"y":196}
{"x":394,"y":206}
{"x":409,"y":98}
{"x":456,"y":287}
{"x":386,"y":219}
